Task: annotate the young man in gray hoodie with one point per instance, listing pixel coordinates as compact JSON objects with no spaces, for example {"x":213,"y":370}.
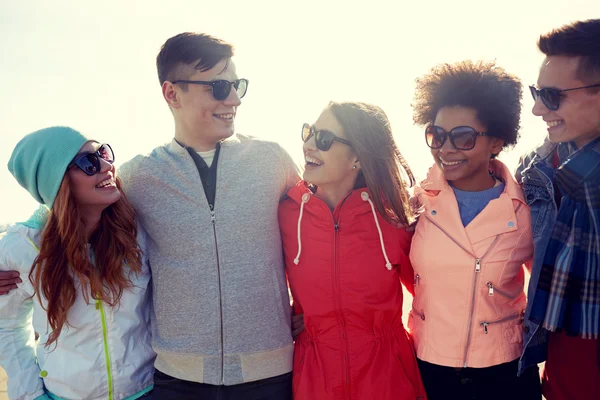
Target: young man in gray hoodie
{"x":208,"y":201}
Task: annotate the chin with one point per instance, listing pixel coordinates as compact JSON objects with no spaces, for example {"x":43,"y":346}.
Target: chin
{"x":114,"y":199}
{"x":555,"y":138}
{"x":225,"y":134}
{"x":306,"y":177}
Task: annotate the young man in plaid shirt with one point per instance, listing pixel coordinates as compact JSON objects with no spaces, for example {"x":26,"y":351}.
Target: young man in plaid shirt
{"x":561,"y":180}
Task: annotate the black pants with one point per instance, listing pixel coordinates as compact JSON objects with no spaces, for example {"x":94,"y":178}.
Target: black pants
{"x":168,"y":388}
{"x":498,"y":382}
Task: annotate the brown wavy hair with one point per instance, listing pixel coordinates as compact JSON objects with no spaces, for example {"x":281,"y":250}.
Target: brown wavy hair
{"x":383,"y":169}
{"x":65,"y":257}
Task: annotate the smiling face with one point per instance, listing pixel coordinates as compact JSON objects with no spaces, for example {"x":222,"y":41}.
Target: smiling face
{"x":578,"y":116}
{"x":334,"y":167}
{"x":201,"y":120}
{"x":93,"y":193}
{"x":465,"y":169}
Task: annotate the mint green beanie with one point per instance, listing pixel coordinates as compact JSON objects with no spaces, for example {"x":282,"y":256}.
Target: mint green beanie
{"x":40,"y":160}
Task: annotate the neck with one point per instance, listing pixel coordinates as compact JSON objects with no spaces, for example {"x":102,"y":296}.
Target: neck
{"x":195,"y":141}
{"x":332,"y":195}
{"x":91,"y":220}
{"x":475,"y":183}
{"x":584,"y":140}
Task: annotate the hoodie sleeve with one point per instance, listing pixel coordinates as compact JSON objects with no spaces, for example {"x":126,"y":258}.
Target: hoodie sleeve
{"x":17,"y":340}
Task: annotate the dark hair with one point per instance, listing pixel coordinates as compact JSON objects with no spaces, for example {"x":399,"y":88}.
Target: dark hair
{"x":382,"y":168}
{"x":192,"y":50}
{"x":579,"y":39}
{"x":492,"y":92}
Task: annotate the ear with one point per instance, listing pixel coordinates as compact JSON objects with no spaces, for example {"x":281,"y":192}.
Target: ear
{"x":356,"y":165}
{"x":497,"y":145}
{"x":170,"y":94}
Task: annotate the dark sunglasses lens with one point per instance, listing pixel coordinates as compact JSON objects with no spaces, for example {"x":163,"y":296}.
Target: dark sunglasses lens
{"x":464,"y":138}
{"x":323,"y":140}
{"x":88,"y":164}
{"x":533,"y":92}
{"x":551,"y":98}
{"x":241,"y":86}
{"x":221,"y":89}
{"x":435,"y":137}
{"x":106,"y":153}
{"x":306,"y":132}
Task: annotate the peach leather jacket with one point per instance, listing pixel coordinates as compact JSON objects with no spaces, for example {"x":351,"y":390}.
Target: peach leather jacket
{"x":469,"y":299}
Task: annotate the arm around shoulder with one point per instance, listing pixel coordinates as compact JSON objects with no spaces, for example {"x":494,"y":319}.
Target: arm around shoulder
{"x":406,"y":270}
{"x":291,"y":170}
{"x":524,"y":162}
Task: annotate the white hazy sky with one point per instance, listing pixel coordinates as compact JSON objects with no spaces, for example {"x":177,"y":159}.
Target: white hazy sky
{"x":91,"y":64}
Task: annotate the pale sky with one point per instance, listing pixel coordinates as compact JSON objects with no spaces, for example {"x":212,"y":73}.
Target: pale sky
{"x":91,"y":65}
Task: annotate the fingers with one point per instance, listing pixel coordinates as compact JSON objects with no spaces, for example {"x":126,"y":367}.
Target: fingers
{"x":4,"y":290}
{"x":297,"y":325}
{"x":297,"y":317}
{"x":8,"y":275}
{"x":297,"y":320}
{"x":295,"y":333}
{"x":8,"y":281}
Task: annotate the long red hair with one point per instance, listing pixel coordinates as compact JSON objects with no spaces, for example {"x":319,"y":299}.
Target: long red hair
{"x":65,"y":257}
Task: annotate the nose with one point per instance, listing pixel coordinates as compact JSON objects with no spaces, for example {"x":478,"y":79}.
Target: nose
{"x":447,"y":147}
{"x":310,"y":145}
{"x":233,"y":99}
{"x":539,"y":108}
{"x":105,"y":166}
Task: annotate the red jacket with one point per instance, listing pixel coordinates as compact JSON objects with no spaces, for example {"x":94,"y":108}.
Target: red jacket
{"x":344,"y":270}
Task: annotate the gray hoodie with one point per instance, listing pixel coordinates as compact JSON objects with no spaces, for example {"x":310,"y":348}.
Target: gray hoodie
{"x":221,"y":312}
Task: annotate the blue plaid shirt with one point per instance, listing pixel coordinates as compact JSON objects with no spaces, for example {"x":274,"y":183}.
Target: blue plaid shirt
{"x":535,"y":173}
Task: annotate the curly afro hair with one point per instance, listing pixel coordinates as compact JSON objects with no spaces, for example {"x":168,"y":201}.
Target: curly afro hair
{"x":483,"y":86}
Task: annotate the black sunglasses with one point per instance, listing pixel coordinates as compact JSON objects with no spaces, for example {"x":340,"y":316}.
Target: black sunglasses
{"x":461,"y":137}
{"x":222,"y":88}
{"x":90,"y":162}
{"x":323,"y":138}
{"x":551,"y":96}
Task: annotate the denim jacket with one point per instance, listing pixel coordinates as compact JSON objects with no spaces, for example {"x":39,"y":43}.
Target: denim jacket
{"x":535,"y":174}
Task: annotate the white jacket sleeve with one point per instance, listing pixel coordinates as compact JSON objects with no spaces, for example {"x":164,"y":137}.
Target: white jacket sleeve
{"x":17,"y":340}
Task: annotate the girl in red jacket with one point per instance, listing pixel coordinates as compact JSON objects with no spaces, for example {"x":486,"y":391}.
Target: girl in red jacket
{"x":346,"y":251}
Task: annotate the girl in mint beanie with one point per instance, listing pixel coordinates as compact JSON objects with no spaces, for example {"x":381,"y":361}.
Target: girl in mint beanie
{"x":40,"y":160}
{"x":86,"y":294}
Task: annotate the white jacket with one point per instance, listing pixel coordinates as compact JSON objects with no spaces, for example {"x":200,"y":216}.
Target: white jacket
{"x":103,"y":353}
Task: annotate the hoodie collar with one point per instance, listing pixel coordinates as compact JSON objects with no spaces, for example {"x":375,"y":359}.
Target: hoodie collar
{"x":356,"y":200}
{"x":352,"y":202}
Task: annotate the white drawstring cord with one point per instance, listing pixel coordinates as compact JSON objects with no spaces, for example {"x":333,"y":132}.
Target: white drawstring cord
{"x":365,"y":197}
{"x":305,"y":198}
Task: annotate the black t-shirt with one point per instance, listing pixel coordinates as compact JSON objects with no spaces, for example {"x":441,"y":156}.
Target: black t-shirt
{"x":208,"y":175}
